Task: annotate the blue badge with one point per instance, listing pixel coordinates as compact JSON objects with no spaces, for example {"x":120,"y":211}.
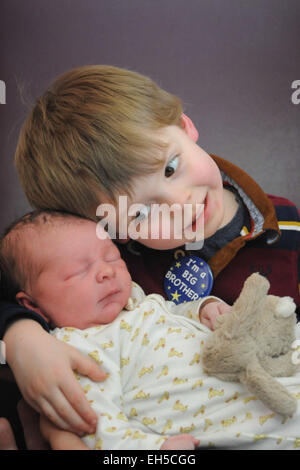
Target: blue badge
{"x":189,"y":278}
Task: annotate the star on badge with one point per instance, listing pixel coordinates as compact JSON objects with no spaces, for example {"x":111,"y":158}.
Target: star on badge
{"x":175,"y":295}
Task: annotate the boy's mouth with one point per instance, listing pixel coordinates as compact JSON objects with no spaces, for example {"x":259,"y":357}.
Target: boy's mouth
{"x":198,"y":216}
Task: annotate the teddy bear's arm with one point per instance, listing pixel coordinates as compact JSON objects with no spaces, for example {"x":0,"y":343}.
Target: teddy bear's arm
{"x":268,"y":389}
{"x":221,"y":320}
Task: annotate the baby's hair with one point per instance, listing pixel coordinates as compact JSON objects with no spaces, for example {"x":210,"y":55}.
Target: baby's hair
{"x":16,"y":268}
{"x":90,"y":134}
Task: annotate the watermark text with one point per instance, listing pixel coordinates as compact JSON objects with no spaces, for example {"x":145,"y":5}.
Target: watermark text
{"x":295,"y":97}
{"x":2,"y":92}
{"x":2,"y":353}
{"x":153,"y":222}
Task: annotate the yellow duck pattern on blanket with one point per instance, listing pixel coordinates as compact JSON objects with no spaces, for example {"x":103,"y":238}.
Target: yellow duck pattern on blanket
{"x":156,"y":386}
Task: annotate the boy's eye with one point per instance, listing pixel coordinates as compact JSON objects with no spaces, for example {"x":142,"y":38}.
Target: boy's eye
{"x":171,"y":167}
{"x":143,"y":213}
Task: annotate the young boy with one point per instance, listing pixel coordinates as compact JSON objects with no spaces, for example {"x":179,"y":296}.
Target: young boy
{"x":156,"y":395}
{"x":101,"y":132}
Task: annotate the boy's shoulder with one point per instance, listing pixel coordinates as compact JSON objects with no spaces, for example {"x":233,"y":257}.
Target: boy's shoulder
{"x":236,"y":174}
{"x":284,"y":208}
{"x":288,"y":219}
{"x":280,"y":201}
{"x":267,"y":209}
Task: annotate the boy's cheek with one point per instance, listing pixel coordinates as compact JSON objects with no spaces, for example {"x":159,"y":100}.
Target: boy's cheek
{"x":161,"y":235}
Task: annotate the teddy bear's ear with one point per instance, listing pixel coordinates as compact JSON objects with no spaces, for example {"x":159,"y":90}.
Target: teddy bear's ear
{"x":246,"y":307}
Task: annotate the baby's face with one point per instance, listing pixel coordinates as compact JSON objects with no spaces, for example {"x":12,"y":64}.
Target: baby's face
{"x":82,"y":280}
{"x":189,"y":177}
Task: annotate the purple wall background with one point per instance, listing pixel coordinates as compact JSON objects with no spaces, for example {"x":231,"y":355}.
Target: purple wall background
{"x":232,"y":63}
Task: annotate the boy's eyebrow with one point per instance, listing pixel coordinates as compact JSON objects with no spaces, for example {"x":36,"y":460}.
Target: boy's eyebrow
{"x":170,"y":150}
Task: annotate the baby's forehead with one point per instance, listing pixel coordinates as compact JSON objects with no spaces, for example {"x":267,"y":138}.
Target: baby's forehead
{"x":83,"y":234}
{"x":64,"y":240}
{"x":38,"y":235}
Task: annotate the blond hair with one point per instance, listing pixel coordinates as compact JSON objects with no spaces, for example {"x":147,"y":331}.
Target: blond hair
{"x":91,"y":134}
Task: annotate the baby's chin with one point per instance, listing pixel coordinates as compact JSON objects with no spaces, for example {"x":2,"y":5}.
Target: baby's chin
{"x":105,"y":316}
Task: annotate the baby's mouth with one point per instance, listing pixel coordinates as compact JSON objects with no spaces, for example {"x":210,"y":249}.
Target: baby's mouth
{"x":109,"y":293}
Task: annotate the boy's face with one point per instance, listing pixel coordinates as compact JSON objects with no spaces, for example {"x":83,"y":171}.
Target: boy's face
{"x":189,"y":176}
{"x":82,"y":280}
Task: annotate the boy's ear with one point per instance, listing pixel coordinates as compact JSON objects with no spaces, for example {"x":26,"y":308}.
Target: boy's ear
{"x":24,"y":299}
{"x":189,"y":127}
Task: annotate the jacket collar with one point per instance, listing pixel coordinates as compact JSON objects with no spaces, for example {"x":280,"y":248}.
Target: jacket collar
{"x":261,"y":210}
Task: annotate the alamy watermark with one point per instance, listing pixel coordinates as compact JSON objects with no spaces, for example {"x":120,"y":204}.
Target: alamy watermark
{"x":156,"y":222}
{"x":2,"y":353}
{"x":295,"y":97}
{"x":2,"y":92}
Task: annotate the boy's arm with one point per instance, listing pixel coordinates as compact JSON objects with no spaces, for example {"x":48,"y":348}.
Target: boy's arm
{"x":43,"y":368}
{"x":7,"y":438}
{"x":59,"y":439}
{"x":11,"y":312}
{"x":65,"y":440}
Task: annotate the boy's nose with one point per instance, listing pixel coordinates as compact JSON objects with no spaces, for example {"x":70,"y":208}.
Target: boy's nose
{"x":105,"y":271}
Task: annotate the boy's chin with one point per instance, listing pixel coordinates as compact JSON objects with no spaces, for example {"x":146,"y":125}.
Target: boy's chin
{"x":169,"y":244}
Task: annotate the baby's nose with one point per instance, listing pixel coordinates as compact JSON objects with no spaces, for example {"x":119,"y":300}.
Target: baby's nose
{"x":105,"y":271}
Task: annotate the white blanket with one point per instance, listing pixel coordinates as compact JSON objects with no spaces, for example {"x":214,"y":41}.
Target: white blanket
{"x":157,"y":388}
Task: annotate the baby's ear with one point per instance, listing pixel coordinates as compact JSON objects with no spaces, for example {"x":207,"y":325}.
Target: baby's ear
{"x":189,"y":127}
{"x":24,"y":299}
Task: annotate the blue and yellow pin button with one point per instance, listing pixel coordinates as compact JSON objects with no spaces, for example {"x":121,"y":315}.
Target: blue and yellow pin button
{"x":189,"y":278}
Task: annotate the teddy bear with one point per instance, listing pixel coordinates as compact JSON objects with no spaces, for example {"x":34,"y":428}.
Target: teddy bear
{"x":253,"y":344}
